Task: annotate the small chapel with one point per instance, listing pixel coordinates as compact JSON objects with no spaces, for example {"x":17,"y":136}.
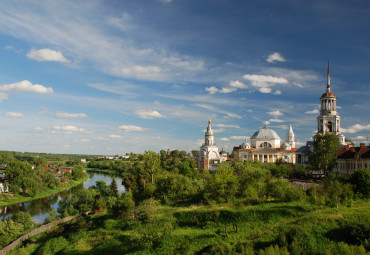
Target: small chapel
{"x":209,"y":157}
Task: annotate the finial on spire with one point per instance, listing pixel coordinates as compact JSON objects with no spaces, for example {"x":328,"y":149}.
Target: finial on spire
{"x":328,"y":79}
{"x":209,"y":121}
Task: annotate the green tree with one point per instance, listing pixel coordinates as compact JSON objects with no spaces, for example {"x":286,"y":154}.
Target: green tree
{"x":361,"y":181}
{"x":325,"y":147}
{"x":78,"y":172}
{"x":152,"y":163}
{"x":114,"y":188}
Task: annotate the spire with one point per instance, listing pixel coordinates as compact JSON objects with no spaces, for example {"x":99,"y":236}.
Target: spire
{"x":209,"y":128}
{"x":328,"y":80}
{"x":290,"y":128}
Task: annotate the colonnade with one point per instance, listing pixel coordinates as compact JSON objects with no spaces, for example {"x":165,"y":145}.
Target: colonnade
{"x":329,"y":104}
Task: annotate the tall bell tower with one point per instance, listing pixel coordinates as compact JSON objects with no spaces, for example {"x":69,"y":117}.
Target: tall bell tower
{"x":329,"y":120}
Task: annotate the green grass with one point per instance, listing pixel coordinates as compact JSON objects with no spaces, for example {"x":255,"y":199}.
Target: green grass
{"x":201,"y":229}
{"x":45,"y":193}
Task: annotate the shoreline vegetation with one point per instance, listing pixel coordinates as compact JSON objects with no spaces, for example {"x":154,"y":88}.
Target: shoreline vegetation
{"x":107,"y":171}
{"x":5,"y":199}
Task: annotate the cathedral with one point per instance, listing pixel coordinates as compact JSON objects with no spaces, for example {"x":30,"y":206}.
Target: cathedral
{"x":267,"y":146}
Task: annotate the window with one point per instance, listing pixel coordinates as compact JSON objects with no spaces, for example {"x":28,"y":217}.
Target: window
{"x":265,"y":145}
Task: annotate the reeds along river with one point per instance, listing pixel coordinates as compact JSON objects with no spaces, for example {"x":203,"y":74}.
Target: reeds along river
{"x":40,"y":208}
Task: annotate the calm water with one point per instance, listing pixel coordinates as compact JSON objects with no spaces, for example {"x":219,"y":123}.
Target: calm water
{"x":39,"y":208}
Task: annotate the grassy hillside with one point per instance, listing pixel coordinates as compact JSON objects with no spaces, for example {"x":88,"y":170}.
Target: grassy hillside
{"x":270,"y":228}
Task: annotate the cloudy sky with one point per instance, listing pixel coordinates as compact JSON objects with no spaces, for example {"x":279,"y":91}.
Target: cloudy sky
{"x":110,"y":77}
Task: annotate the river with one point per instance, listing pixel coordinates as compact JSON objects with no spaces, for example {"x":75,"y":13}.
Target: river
{"x":40,"y":208}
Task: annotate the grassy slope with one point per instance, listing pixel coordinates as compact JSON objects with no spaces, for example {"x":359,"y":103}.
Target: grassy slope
{"x":44,"y":193}
{"x":201,"y":228}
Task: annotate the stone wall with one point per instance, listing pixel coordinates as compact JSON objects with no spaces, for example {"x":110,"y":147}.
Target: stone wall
{"x":34,"y":232}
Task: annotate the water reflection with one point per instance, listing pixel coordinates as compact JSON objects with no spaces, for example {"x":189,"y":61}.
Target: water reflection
{"x":39,"y":208}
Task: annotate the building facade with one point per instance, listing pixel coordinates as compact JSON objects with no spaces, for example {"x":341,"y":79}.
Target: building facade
{"x":267,"y":146}
{"x":209,"y":157}
{"x":349,"y":159}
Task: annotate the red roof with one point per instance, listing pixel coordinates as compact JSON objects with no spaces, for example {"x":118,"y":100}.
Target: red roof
{"x":328,"y":94}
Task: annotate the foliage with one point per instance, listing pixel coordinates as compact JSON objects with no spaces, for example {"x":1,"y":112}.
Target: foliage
{"x":114,"y":188}
{"x":13,"y":228}
{"x":222,"y":185}
{"x":151,"y":163}
{"x":361,"y":181}
{"x":325,"y":147}
{"x":23,"y":179}
{"x":78,"y":172}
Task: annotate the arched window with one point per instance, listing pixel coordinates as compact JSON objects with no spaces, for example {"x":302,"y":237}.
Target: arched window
{"x":330,"y":126}
{"x":265,"y":145}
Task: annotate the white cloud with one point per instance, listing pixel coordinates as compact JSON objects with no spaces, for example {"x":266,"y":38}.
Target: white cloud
{"x":265,"y":78}
{"x":149,"y":114}
{"x":240,"y":137}
{"x":276,"y":113}
{"x":212,"y":108}
{"x":234,"y":86}
{"x":219,"y":130}
{"x":275,"y":57}
{"x":129,"y":128}
{"x":276,"y":120}
{"x":224,"y":139}
{"x":356,"y":128}
{"x":46,"y":55}
{"x":141,"y":72}
{"x":265,"y":90}
{"x":277,"y":92}
{"x":70,"y":115}
{"x":26,"y":86}
{"x":226,"y":126}
{"x":299,"y":144}
{"x":228,"y":90}
{"x":44,"y":110}
{"x":315,"y":111}
{"x":82,"y":140}
{"x":284,"y":127}
{"x":38,"y":129}
{"x":3,"y":96}
{"x":14,"y":114}
{"x":69,"y":129}
{"x":115,"y":137}
{"x":212,"y":90}
{"x":298,"y":84}
{"x":359,"y":137}
{"x":238,"y":84}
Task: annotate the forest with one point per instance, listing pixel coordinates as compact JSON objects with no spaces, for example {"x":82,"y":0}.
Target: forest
{"x":240,"y":208}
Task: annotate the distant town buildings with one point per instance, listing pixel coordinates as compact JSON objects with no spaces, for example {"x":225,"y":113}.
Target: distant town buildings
{"x":266,"y":146}
{"x":350,"y":159}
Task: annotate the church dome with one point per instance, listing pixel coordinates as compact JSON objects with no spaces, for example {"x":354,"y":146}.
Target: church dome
{"x":264,"y":133}
{"x":328,"y":94}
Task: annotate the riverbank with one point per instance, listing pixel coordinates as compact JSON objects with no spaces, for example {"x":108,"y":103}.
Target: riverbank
{"x":9,"y":199}
{"x":107,"y":171}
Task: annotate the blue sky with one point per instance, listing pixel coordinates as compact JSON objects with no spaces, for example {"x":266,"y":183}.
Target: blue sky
{"x":110,"y":77}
